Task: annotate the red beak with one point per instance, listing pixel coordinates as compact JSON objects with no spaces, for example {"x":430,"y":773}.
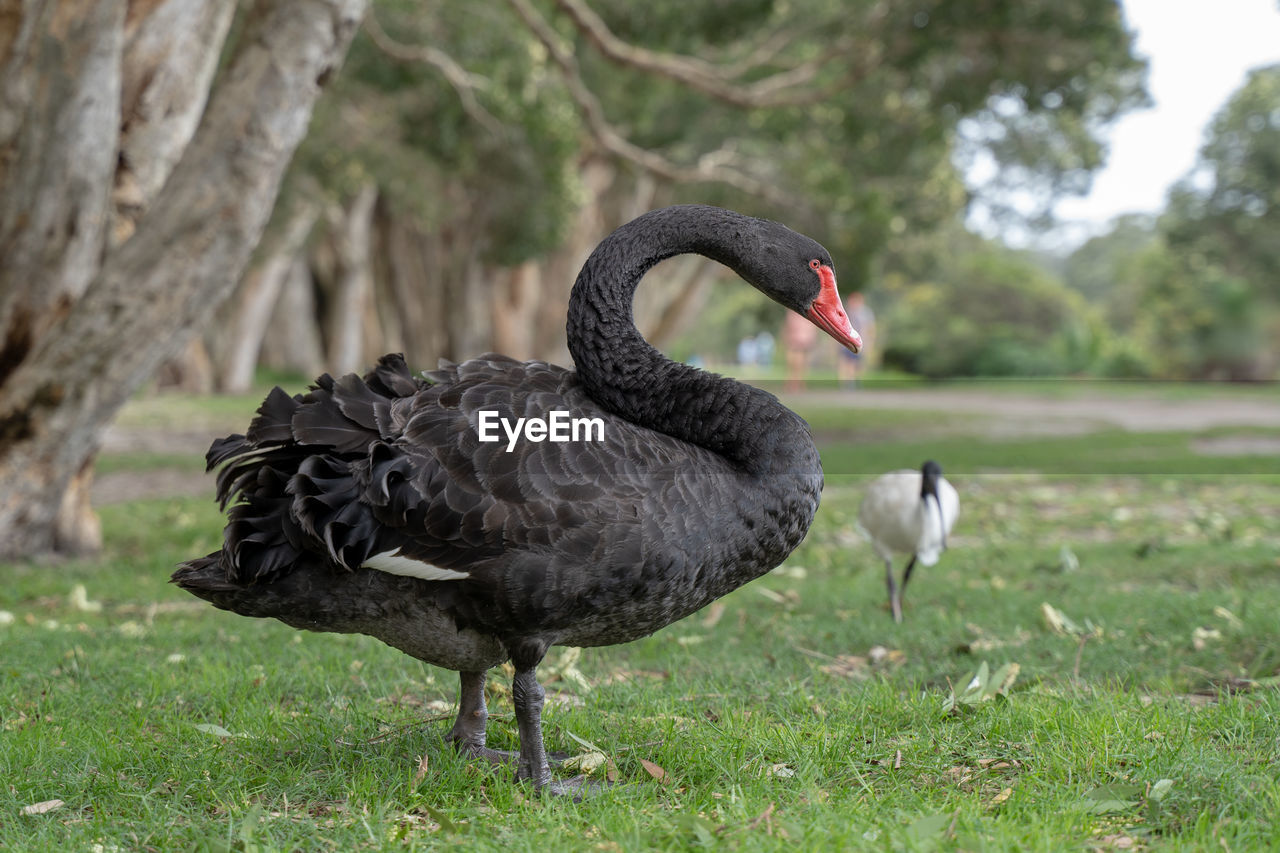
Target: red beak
{"x":827,"y":312}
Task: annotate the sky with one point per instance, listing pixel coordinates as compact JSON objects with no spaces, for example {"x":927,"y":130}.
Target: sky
{"x":1199,"y":52}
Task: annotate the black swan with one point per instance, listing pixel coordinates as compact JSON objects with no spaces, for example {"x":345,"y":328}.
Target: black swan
{"x":908,"y":512}
{"x":371,"y":505}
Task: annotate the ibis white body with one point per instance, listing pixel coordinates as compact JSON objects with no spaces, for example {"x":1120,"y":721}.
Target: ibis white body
{"x":900,"y":514}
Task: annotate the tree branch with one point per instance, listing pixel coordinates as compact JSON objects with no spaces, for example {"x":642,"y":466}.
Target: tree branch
{"x":784,"y":88}
{"x":464,"y":82}
{"x":709,"y":169}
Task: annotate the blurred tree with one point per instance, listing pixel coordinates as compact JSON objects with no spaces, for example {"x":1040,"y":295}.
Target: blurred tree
{"x":993,"y":313}
{"x":1199,"y":321}
{"x":505,"y":139}
{"x":1228,"y":208}
{"x":1211,"y":307}
{"x":127,"y":211}
{"x":1106,"y":269}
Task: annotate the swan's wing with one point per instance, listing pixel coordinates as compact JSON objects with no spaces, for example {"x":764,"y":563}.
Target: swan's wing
{"x":389,"y":472}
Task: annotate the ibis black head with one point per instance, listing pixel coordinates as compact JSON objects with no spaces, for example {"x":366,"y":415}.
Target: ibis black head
{"x":930,"y":474}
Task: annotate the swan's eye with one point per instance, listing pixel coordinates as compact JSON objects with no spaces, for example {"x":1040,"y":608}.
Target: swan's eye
{"x":815,"y":264}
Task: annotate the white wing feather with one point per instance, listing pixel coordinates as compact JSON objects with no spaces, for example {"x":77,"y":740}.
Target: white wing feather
{"x":938,"y":517}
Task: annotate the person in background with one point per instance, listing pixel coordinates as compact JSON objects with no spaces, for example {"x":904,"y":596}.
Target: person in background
{"x":798,"y":338}
{"x":850,"y":365}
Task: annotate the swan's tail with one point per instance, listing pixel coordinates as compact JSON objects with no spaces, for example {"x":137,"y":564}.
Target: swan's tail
{"x":207,"y":578}
{"x":299,"y":483}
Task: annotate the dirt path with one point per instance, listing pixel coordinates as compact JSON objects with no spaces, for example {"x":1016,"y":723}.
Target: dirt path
{"x":1019,"y":414}
{"x":1007,"y":414}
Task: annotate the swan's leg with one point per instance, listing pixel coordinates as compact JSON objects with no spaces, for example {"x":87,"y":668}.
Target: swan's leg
{"x":469,"y":728}
{"x":527,"y":696}
{"x":468,"y":732}
{"x":895,"y":602}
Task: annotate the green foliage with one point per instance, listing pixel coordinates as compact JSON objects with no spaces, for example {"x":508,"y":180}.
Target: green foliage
{"x":500,"y":171}
{"x":995,"y":314}
{"x":1199,"y":321}
{"x":863,"y":147}
{"x":1229,"y":207}
{"x":1197,"y":296}
{"x":874,"y":159}
{"x":1106,"y":269}
{"x":733,"y":311}
{"x":1213,"y":291}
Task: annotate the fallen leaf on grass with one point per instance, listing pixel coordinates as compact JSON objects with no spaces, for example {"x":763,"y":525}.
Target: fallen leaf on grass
{"x":79,"y":600}
{"x":421,"y":772}
{"x":1108,"y":799}
{"x":654,"y":770}
{"x":42,"y":807}
{"x":565,"y":668}
{"x":218,"y":731}
{"x":928,"y":828}
{"x":998,"y":763}
{"x":1060,"y":623}
{"x":714,"y":614}
{"x":1201,"y":637}
{"x":848,"y":666}
{"x":1002,"y":796}
{"x":586,"y":763}
{"x":1229,"y":617}
{"x":857,"y":666}
{"x":775,"y":597}
{"x":782,"y":771}
{"x":882,"y":656}
{"x":983,"y":686}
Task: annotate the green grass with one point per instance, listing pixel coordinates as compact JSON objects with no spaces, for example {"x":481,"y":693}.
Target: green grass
{"x":794,"y":715}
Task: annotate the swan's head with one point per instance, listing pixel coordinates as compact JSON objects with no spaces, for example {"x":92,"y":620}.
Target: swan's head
{"x":797,"y":272}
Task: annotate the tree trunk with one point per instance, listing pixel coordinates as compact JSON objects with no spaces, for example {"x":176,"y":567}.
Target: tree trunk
{"x":512,"y":310}
{"x":294,"y":344}
{"x":171,"y":53}
{"x":58,"y":132}
{"x":66,"y":372}
{"x":353,"y":239}
{"x":670,"y":308}
{"x":409,"y":267}
{"x":190,"y":371}
{"x":560,"y":268}
{"x":257,"y":296}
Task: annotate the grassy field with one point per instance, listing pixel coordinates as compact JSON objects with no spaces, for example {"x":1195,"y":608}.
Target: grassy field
{"x":1092,"y":665}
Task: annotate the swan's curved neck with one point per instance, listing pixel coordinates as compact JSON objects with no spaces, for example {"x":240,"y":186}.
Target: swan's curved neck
{"x":628,"y":376}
